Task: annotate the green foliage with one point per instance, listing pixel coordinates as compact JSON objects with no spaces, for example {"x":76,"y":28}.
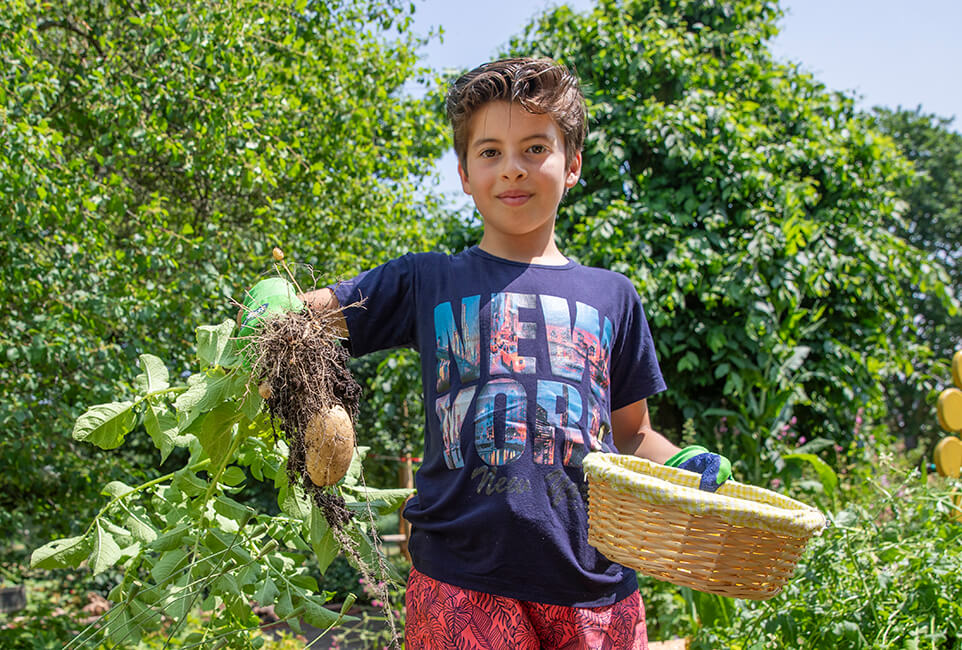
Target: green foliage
{"x":154,"y":154}
{"x":393,"y":410}
{"x":753,"y":209}
{"x":932,"y":221}
{"x":883,"y":575}
{"x":185,"y":539}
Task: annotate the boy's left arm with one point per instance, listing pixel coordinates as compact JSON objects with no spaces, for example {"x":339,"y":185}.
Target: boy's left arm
{"x":633,"y":434}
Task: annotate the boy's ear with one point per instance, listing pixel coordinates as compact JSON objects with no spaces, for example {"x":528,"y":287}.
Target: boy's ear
{"x":463,"y":175}
{"x":574,"y":171}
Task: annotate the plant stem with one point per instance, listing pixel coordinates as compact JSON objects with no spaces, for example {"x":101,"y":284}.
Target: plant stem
{"x":235,"y":443}
{"x":160,"y":479}
{"x":868,"y":594}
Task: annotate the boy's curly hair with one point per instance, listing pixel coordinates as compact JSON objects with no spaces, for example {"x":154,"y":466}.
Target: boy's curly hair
{"x":539,"y":85}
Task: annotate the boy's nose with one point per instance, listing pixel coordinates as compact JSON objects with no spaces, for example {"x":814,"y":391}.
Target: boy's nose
{"x":513,"y":170}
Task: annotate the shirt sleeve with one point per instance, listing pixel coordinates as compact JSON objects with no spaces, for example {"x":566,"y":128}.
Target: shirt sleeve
{"x":379,"y":307}
{"x":635,"y":373}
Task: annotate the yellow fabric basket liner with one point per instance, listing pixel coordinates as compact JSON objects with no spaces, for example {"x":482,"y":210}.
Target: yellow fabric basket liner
{"x":741,"y":541}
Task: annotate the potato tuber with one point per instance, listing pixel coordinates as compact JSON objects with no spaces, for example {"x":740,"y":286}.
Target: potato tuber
{"x":329,"y":446}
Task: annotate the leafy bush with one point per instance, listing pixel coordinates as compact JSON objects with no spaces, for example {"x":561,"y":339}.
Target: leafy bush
{"x":153,"y":154}
{"x":885,"y":574}
{"x":754,"y":210}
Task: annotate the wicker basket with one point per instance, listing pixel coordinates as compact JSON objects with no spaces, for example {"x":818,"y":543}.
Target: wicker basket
{"x":742,"y":541}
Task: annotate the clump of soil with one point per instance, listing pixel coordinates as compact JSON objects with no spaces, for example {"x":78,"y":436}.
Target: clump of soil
{"x":298,"y":355}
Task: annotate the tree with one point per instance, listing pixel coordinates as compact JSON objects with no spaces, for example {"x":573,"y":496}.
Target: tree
{"x":755,"y":211}
{"x":154,"y":153}
{"x":932,"y":222}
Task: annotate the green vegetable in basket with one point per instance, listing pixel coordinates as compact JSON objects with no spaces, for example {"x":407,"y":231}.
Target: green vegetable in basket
{"x":715,"y":469}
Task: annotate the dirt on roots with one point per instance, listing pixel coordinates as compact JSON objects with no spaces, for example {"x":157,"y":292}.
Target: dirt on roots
{"x":300,"y":357}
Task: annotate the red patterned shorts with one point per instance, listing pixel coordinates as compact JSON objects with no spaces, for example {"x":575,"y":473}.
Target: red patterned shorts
{"x":442,"y":616}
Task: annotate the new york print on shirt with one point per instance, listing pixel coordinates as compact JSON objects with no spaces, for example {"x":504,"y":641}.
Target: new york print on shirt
{"x":567,"y":397}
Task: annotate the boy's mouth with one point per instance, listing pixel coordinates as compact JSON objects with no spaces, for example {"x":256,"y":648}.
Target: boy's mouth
{"x":513,"y":197}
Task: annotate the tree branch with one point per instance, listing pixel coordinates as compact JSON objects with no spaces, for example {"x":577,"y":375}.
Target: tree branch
{"x":44,"y":25}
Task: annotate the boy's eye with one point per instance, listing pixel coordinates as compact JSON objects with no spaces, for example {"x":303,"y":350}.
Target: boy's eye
{"x":488,"y":153}
{"x":537,"y":148}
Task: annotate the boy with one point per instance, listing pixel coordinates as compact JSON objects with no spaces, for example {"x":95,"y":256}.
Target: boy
{"x":529,"y":361}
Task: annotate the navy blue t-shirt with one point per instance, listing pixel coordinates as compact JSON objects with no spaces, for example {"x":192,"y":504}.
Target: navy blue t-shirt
{"x":522,"y":365}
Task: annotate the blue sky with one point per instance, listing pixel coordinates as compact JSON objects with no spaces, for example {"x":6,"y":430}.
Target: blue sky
{"x":891,"y":52}
{"x":884,"y":52}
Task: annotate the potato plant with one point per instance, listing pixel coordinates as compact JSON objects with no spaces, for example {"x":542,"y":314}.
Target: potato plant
{"x":186,"y":539}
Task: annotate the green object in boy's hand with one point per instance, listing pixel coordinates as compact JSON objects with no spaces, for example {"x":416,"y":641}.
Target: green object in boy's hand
{"x":266,"y":298}
{"x":715,"y":469}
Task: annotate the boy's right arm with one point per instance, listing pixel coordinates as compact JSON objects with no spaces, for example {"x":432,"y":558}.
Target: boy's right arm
{"x":324,"y":299}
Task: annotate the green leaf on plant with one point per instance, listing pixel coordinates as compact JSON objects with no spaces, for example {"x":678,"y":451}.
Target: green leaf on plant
{"x":826,"y":475}
{"x":105,"y":425}
{"x":284,"y":606}
{"x":180,"y":598}
{"x":68,"y":552}
{"x":369,"y":555}
{"x":233,"y":475}
{"x":168,"y":564}
{"x":121,"y":627}
{"x":105,"y":551}
{"x":304,"y":581}
{"x":216,"y":432}
{"x":144,"y":615}
{"x":226,"y":584}
{"x":233,"y":510}
{"x":120,"y":534}
{"x":173,"y":538}
{"x":154,"y":377}
{"x":162,"y":428}
{"x":204,"y":392}
{"x":116,"y":489}
{"x":248,"y":575}
{"x":251,"y":405}
{"x":267,"y":592}
{"x":293,"y":501}
{"x":322,"y":540}
{"x":354,"y":470}
{"x":688,"y":362}
{"x":382,"y":501}
{"x":188,"y":482}
{"x":215,"y":347}
{"x":140,"y":526}
{"x":219,"y":540}
{"x":319,"y":616}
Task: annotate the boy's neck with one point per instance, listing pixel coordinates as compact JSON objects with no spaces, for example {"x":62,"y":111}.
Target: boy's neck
{"x":535,"y":250}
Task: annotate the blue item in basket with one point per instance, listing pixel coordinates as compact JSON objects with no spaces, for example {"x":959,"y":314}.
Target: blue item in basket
{"x":714,"y":468}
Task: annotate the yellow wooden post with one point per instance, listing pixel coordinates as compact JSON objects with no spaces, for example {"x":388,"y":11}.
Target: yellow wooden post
{"x":948,"y":453}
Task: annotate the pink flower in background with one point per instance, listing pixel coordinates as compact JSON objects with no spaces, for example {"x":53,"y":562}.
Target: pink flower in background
{"x":723,"y":425}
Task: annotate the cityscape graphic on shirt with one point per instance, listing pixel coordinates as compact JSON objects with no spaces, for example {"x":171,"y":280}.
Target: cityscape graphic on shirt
{"x":568,"y":410}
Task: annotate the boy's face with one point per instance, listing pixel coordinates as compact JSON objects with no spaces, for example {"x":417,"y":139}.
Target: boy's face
{"x":516,"y":170}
